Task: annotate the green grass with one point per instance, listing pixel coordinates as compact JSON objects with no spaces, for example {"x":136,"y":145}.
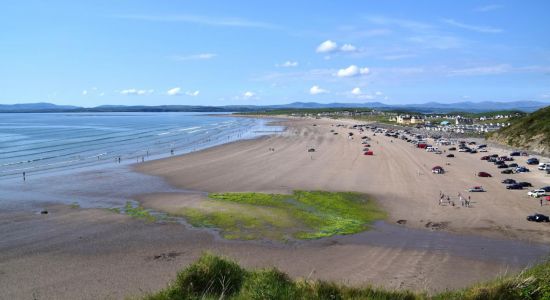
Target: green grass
{"x":214,"y":277}
{"x":302,"y":215}
{"x":138,"y":212}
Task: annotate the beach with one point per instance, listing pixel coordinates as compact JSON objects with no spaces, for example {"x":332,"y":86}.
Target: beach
{"x":92,"y":253}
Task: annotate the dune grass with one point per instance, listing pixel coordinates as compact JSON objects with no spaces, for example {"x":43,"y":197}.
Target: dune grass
{"x":302,"y":215}
{"x":213,"y":277}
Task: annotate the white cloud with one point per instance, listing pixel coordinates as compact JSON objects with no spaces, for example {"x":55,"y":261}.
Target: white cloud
{"x":356,"y":91}
{"x":485,"y":70}
{"x":136,"y":92}
{"x":482,"y":29}
{"x":84,"y":92}
{"x":192,"y":93}
{"x":200,"y":56}
{"x":316,"y":90}
{"x":487,"y":8}
{"x":101,"y":94}
{"x":327,"y":47}
{"x":378,"y":93}
{"x":348,"y":48}
{"x":174,"y":92}
{"x":289,"y":64}
{"x":351,"y":71}
{"x":248,"y":94}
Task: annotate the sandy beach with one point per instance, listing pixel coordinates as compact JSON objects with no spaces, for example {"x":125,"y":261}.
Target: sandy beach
{"x":96,"y":254}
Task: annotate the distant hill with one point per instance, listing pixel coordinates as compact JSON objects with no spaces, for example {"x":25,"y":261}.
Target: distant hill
{"x":430,"y":107}
{"x":35,"y":107}
{"x":530,"y":132}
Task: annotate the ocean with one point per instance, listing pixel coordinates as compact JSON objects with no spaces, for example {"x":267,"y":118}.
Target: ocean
{"x":47,"y":142}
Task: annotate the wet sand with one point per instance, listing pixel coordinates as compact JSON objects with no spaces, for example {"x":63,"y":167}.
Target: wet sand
{"x":92,"y":253}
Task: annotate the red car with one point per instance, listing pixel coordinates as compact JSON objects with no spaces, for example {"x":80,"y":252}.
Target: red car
{"x":484,"y":174}
{"x":484,"y":157}
{"x":369,"y":153}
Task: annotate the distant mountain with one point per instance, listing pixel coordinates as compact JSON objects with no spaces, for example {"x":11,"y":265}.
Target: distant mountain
{"x":530,"y":132}
{"x":34,"y":107}
{"x":429,"y":107}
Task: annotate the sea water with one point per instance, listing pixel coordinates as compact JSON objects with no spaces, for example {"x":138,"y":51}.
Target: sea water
{"x":39,"y":143}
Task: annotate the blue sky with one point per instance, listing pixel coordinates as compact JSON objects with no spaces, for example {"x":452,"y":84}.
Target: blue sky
{"x":270,"y":52}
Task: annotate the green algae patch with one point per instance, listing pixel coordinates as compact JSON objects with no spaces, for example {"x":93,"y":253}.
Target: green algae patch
{"x":301,"y":215}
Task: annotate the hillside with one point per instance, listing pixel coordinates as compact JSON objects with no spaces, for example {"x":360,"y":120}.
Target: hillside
{"x":531,"y":132}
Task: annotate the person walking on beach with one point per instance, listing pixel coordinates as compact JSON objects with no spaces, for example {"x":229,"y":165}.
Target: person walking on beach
{"x":541,"y":202}
{"x":25,"y":179}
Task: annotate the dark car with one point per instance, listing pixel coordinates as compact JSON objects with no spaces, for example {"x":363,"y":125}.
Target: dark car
{"x":509,"y":181}
{"x":503,"y":166}
{"x":494,"y":155}
{"x":538,"y":218}
{"x":499,"y":162}
{"x":452,"y":149}
{"x":524,"y":184}
{"x":484,"y":174}
{"x":515,"y":153}
{"x":513,"y":165}
{"x":450,"y":155}
{"x":521,"y":170}
{"x":506,"y":158}
{"x":492,"y":159}
{"x":485,"y":157}
{"x":532,"y":161}
{"x":546,"y":188}
{"x":481,"y":146}
{"x":514,"y":186}
{"x":507,"y":171}
{"x":472,"y":151}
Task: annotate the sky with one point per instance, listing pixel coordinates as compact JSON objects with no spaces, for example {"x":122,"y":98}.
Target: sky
{"x":133,"y":52}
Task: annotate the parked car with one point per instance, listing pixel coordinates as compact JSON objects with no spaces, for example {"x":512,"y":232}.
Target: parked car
{"x":499,"y":162}
{"x":533,"y":161}
{"x":504,"y":166}
{"x":484,"y":174}
{"x":515,"y":153}
{"x":544,"y":166}
{"x":525,"y":184}
{"x":482,"y":150}
{"x":538,"y":218}
{"x":450,"y":155}
{"x":452,"y":149}
{"x":546,"y":188}
{"x":513,"y":165}
{"x":486,"y":157}
{"x":438,"y":170}
{"x":369,"y":153}
{"x":521,"y":170}
{"x":482,"y":146}
{"x":476,"y":189}
{"x":494,"y":155}
{"x":509,"y":181}
{"x":536,"y":193}
{"x":507,"y":171}
{"x":514,"y":186}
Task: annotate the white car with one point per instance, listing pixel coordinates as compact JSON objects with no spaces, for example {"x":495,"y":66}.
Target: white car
{"x":536,"y":193}
{"x":482,"y":150}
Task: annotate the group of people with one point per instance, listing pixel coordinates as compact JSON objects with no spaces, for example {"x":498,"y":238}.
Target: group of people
{"x":464,"y":202}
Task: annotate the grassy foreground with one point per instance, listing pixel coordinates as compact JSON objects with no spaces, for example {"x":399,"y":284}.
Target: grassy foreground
{"x":213,"y":277}
{"x":302,"y":215}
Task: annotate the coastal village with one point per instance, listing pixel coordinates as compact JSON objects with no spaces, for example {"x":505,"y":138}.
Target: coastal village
{"x":448,"y":123}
